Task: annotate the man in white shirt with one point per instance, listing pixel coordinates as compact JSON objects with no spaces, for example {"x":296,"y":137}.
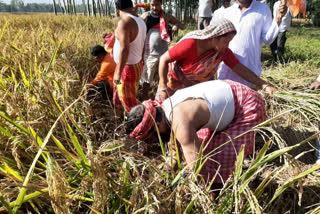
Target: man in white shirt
{"x":254,"y":25}
{"x":218,"y":14}
{"x":204,"y":13}
{"x":277,"y":46}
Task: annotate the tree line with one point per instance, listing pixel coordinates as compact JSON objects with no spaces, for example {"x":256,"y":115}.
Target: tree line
{"x":59,"y":6}
{"x":182,"y":9}
{"x":18,"y":6}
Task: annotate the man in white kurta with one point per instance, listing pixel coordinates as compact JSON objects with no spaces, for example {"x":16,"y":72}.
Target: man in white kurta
{"x":254,"y":25}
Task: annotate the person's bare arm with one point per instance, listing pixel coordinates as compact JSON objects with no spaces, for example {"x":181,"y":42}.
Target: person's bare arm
{"x":144,"y":16}
{"x":123,"y":35}
{"x":188,"y":117}
{"x":251,"y":77}
{"x":186,"y":135}
{"x":173,"y":20}
{"x":163,"y":72}
{"x":281,"y":11}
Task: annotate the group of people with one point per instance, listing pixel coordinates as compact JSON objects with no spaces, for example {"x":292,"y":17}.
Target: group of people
{"x":206,"y":81}
{"x":277,"y":47}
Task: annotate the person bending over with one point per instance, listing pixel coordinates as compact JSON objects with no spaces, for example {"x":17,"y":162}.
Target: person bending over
{"x":224,"y":109}
{"x":196,"y":58}
{"x":104,"y":78}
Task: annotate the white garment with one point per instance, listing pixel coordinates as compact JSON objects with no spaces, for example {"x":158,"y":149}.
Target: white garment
{"x":136,"y":46}
{"x":205,"y":8}
{"x":286,"y":19}
{"x":254,"y":27}
{"x":218,"y":14}
{"x":216,"y":93}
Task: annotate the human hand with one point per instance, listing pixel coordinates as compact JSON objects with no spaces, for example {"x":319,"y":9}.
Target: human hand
{"x":269,"y":89}
{"x":315,"y":85}
{"x":279,"y":19}
{"x":175,"y":30}
{"x":116,"y":78}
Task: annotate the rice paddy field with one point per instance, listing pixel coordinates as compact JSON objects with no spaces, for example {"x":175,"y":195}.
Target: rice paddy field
{"x":62,"y":154}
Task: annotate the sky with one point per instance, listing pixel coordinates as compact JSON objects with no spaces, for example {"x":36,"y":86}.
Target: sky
{"x":37,"y":1}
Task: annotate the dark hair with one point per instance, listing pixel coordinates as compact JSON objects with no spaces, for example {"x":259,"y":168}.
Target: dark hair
{"x":157,"y":0}
{"x":135,"y":117}
{"x":123,"y":4}
{"x":98,"y":51}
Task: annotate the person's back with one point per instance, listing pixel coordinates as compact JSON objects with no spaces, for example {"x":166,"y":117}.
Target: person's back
{"x":194,"y":115}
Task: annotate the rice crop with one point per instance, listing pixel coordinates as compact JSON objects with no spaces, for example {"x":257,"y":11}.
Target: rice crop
{"x":61,"y":154}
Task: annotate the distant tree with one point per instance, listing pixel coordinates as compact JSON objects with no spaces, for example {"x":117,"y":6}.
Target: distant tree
{"x":55,"y":7}
{"x":16,"y":5}
{"x":3,"y":7}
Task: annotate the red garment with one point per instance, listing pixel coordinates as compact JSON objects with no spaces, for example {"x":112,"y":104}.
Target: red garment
{"x":187,"y":65}
{"x":163,"y":28}
{"x":125,"y":93}
{"x":186,"y":54}
{"x":106,"y":72}
{"x":249,"y":112}
{"x":143,"y":5}
{"x":148,"y":120}
{"x":108,"y":41}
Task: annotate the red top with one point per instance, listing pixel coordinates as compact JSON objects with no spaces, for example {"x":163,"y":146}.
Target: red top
{"x":186,"y":54}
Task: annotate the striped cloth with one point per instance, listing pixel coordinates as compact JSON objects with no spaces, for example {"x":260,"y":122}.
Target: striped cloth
{"x":125,"y":93}
{"x":148,"y":120}
{"x":163,"y":28}
{"x":215,"y":29}
{"x":249,"y":112}
{"x":108,"y":41}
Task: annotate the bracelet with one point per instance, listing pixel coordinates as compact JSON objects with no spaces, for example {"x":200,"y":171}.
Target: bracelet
{"x":265,"y":87}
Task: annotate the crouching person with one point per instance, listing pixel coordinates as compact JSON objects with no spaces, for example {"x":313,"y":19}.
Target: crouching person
{"x":103,"y":82}
{"x":224,"y":107}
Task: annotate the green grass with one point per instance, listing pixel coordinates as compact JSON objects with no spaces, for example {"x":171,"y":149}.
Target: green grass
{"x":60,"y":154}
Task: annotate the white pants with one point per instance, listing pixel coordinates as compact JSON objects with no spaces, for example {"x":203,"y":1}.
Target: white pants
{"x":150,"y":69}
